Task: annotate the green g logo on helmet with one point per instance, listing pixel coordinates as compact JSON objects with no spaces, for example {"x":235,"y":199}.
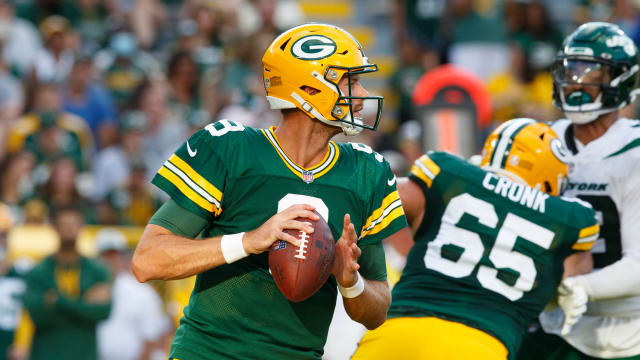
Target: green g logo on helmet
{"x":313,"y":47}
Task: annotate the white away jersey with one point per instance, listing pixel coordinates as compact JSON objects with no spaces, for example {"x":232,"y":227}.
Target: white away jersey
{"x":606,"y":173}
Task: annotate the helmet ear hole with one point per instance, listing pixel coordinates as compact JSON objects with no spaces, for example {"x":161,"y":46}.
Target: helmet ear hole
{"x":310,"y":90}
{"x":547,"y":187}
{"x":284,"y":44}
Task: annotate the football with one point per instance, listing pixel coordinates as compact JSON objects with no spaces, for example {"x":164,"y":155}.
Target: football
{"x":300,"y":271}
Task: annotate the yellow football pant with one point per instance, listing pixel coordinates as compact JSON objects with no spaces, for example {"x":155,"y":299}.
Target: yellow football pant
{"x":428,"y":338}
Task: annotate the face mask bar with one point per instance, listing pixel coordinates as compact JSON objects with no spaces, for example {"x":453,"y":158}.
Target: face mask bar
{"x":343,"y":100}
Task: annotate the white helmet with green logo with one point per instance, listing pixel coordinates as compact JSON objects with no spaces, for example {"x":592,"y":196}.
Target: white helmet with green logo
{"x":595,"y":72}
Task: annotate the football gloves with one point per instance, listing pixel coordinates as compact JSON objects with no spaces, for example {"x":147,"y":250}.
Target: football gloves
{"x":572,"y":298}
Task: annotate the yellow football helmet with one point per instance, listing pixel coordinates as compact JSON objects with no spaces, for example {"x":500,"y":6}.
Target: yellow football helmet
{"x":530,"y":151}
{"x":317,"y":56}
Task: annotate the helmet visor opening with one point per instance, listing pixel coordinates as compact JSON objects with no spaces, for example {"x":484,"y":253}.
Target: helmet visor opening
{"x":583,"y":72}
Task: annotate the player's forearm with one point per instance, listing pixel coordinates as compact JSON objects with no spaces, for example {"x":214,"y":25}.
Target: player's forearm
{"x":619,"y":279}
{"x":370,"y":307}
{"x":163,"y":255}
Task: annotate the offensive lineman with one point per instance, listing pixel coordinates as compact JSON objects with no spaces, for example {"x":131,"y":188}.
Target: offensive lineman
{"x":242,"y":186}
{"x":595,"y":75}
{"x":488,"y":252}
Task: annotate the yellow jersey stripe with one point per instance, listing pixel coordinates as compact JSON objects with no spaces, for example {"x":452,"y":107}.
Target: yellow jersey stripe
{"x":393,"y":214}
{"x":431,"y":166}
{"x":298,"y":173}
{"x":187,"y":191}
{"x":583,"y":246}
{"x":415,"y":170}
{"x":333,"y":162}
{"x":589,"y":231}
{"x":378,"y":213}
{"x":195,"y":177}
{"x":327,"y":163}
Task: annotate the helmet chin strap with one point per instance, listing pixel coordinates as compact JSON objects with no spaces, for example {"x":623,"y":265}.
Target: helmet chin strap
{"x":347,"y":129}
{"x":581,"y":118}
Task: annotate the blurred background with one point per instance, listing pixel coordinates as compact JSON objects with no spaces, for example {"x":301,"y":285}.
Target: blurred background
{"x":96,"y":95}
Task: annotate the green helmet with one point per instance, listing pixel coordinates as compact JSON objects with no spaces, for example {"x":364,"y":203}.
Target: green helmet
{"x":595,"y":72}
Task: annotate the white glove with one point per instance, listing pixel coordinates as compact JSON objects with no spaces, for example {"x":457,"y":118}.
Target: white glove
{"x":572,"y":298}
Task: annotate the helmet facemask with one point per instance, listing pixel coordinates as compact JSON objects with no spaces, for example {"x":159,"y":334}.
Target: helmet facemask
{"x":596,"y":72}
{"x":343,"y":109}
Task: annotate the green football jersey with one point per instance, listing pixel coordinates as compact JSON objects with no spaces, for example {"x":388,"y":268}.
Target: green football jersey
{"x":489,"y":252}
{"x":238,"y":177}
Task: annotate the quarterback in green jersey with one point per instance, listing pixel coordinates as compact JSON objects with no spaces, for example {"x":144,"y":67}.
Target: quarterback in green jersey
{"x":489,"y":250}
{"x":241,"y":187}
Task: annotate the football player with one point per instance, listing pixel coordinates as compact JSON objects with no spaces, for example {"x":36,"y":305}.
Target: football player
{"x":595,"y":75}
{"x":241,"y":187}
{"x":488,"y":252}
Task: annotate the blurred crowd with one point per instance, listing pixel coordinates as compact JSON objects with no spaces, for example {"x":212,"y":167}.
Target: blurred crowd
{"x":96,"y":94}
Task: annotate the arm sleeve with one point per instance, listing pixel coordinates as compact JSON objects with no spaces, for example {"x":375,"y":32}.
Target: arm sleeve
{"x":82,"y":310}
{"x":178,"y":220}
{"x":79,"y":308}
{"x":372,"y":262}
{"x":386,"y":213}
{"x":42,"y":315}
{"x":621,"y":279}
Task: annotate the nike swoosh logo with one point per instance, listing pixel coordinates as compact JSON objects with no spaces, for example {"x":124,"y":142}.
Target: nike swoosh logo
{"x":193,"y":153}
{"x":391,"y":181}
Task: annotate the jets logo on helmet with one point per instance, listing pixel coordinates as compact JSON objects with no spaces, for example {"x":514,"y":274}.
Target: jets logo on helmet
{"x":313,"y":47}
{"x":624,"y":42}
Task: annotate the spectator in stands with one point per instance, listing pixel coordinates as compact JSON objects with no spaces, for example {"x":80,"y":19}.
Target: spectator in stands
{"x":521,"y":91}
{"x":478,"y":38}
{"x":414,"y":61}
{"x":11,"y":100}
{"x":67,"y":295}
{"x":111,"y":165}
{"x":49,"y":132}
{"x":12,"y":288}
{"x":16,"y":183}
{"x":89,"y":19}
{"x":124,"y":73}
{"x":61,"y":189}
{"x":184,"y":85}
{"x":164,"y":131}
{"x":134,"y":202}
{"x":20,"y":39}
{"x":538,"y":38}
{"x":53,"y":63}
{"x":197,"y":120}
{"x":137,"y":323}
{"x":85,"y":98}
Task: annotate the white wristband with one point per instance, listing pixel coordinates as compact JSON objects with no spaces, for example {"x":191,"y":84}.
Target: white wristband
{"x":354,"y":290}
{"x":232,"y":248}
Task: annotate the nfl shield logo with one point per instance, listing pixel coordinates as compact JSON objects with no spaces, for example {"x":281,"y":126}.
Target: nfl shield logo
{"x":307,"y":176}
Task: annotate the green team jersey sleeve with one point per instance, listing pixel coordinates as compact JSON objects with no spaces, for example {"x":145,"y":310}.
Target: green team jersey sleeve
{"x":424,"y":171}
{"x":584,"y":218}
{"x":195,"y":175}
{"x":386,"y":215}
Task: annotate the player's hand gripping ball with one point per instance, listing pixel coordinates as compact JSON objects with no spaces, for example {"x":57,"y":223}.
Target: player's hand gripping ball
{"x":300,"y":271}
